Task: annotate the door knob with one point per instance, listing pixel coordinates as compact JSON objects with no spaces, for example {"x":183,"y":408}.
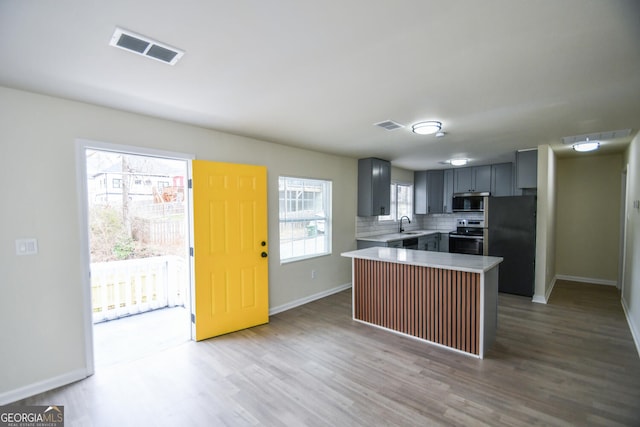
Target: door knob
{"x":263,"y":254}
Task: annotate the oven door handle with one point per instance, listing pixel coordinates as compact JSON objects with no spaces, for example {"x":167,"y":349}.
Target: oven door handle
{"x":456,"y":236}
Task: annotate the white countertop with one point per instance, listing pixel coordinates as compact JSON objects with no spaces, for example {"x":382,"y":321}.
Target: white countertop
{"x":391,"y":237}
{"x":445,"y":260}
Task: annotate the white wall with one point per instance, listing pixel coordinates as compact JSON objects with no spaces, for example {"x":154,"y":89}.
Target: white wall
{"x":545,"y":224}
{"x":41,"y":322}
{"x":588,"y":195}
{"x":631,"y":275}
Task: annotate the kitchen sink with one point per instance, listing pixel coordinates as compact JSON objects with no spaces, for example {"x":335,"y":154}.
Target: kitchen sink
{"x":411,"y":232}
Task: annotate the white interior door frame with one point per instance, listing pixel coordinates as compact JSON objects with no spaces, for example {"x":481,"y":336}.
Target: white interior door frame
{"x":624,"y":215}
{"x":82,"y":145}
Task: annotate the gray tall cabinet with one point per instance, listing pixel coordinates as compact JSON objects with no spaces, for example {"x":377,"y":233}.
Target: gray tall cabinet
{"x":448,"y":190}
{"x":427,"y":192}
{"x":374,"y":187}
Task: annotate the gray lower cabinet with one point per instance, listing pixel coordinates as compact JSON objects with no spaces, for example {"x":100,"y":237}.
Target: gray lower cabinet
{"x":363,"y":244}
{"x":502,"y":179}
{"x":374,"y":187}
{"x":444,"y":242}
{"x":430,"y":242}
{"x":428,"y":192}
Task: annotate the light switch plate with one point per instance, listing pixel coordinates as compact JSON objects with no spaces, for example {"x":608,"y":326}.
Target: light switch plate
{"x":26,"y":246}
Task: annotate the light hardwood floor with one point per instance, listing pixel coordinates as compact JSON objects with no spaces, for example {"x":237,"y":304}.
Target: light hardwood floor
{"x":571,"y":362}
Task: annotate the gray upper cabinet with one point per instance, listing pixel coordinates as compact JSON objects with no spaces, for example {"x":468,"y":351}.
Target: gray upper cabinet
{"x":374,"y":187}
{"x":420,"y":192}
{"x":428,"y":192}
{"x":448,"y":191}
{"x":433,"y":189}
{"x":527,"y":169}
{"x":477,"y":178}
{"x":502,"y":179}
{"x":462,"y":180}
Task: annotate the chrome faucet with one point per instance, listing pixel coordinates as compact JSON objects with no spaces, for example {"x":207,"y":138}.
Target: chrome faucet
{"x":408,"y":220}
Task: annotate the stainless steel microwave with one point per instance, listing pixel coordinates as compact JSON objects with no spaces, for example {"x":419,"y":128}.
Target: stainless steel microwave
{"x":470,"y":202}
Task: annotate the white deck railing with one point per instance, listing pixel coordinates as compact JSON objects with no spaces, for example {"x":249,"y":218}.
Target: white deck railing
{"x":123,"y":288}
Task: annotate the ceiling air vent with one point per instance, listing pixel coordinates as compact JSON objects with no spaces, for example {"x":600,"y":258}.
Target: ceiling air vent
{"x":145,"y":46}
{"x":598,"y":136}
{"x":389,"y":125}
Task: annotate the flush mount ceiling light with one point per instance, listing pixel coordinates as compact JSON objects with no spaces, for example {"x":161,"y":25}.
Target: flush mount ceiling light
{"x":586,"y":146}
{"x":141,"y":45}
{"x":427,"y":128}
{"x":458,"y":162}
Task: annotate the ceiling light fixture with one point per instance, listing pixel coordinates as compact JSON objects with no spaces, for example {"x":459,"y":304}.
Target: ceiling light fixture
{"x":458,"y":162}
{"x":427,"y":128}
{"x":586,"y":145}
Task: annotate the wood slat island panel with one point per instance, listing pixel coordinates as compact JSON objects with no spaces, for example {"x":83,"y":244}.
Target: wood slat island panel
{"x":434,"y":304}
{"x":442,"y":298}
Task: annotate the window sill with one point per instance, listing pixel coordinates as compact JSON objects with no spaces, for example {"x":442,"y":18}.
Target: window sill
{"x":303,"y":258}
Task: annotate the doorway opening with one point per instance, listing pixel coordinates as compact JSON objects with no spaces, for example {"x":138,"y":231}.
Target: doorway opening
{"x":137,"y":212}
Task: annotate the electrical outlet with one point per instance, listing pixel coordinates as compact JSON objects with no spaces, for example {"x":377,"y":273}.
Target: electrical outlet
{"x":313,"y":274}
{"x":26,"y":246}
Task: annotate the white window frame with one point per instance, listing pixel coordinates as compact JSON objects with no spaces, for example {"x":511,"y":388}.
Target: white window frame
{"x":394,"y":216}
{"x":304,"y":233}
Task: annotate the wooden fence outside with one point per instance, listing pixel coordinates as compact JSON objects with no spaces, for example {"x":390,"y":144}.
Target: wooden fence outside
{"x":164,"y":231}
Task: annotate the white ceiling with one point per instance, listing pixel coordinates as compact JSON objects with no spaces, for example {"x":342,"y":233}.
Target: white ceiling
{"x":501,"y":75}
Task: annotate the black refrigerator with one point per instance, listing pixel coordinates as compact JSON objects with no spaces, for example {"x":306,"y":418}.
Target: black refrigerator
{"x":512,"y":235}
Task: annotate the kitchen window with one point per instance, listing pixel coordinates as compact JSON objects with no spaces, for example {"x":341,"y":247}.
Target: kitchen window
{"x":305,"y":218}
{"x":401,"y":202}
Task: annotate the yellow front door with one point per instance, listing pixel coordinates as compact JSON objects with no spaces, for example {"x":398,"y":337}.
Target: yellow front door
{"x":230,"y":247}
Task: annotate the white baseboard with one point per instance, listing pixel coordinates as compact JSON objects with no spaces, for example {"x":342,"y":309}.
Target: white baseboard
{"x":542,"y":299}
{"x":587,"y":280}
{"x":308,"y":299}
{"x":634,"y":332}
{"x":42,"y":386}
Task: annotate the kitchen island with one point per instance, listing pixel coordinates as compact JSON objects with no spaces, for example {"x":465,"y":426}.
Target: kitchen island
{"x":447,"y":299}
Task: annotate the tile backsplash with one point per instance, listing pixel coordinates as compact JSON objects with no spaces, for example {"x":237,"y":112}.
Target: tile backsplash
{"x":441,"y":222}
{"x":369,"y":226}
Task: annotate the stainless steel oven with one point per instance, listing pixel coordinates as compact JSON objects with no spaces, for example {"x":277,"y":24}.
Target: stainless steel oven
{"x":470,"y":237}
